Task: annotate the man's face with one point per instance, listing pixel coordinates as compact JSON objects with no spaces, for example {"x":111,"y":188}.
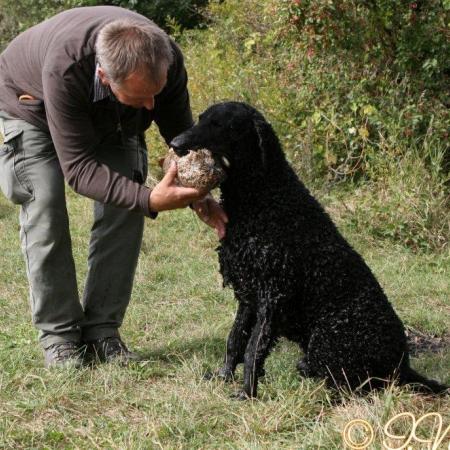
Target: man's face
{"x":137,"y":90}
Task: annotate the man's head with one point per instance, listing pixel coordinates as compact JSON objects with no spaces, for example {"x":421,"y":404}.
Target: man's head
{"x":134,"y":58}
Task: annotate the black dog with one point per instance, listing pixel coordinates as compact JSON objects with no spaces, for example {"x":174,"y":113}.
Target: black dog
{"x":292,"y":272}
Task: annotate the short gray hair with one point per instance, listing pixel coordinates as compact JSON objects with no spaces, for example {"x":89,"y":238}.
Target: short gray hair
{"x":124,"y":46}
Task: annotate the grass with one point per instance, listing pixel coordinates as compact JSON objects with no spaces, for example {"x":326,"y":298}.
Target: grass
{"x":179,"y":318}
{"x":179,"y":315}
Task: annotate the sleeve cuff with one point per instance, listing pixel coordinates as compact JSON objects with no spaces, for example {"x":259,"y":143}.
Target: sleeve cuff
{"x":144,"y":200}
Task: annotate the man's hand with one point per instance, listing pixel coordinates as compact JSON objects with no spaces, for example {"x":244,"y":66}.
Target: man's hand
{"x":212,"y":214}
{"x":167,"y":194}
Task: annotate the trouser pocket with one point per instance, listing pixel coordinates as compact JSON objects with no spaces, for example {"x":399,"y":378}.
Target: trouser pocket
{"x":13,"y":180}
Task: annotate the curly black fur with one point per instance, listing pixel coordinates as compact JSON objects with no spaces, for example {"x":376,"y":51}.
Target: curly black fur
{"x":292,"y":272}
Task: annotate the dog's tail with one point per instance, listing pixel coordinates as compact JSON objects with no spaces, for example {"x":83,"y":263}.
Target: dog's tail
{"x":420,"y":383}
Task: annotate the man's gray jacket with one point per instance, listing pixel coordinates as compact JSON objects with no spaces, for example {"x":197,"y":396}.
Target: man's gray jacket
{"x":54,"y":62}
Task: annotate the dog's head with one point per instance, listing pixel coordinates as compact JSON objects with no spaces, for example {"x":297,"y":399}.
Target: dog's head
{"x":238,"y":136}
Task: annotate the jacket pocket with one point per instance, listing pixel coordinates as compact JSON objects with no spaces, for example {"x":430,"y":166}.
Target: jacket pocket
{"x":13,"y":181}
{"x":31,"y":104}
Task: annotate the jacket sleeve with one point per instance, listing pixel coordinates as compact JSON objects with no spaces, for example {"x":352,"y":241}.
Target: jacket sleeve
{"x":75,"y":140}
{"x":173,"y":113}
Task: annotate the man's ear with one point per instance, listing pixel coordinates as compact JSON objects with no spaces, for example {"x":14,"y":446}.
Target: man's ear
{"x":102,"y":75}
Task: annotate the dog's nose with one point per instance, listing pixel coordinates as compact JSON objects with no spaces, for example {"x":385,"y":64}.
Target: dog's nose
{"x":178,"y":147}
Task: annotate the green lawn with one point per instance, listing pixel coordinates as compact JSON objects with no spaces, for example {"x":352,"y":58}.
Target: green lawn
{"x":179,"y":318}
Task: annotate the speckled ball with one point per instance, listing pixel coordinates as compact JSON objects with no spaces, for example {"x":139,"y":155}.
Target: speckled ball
{"x":197,"y":169}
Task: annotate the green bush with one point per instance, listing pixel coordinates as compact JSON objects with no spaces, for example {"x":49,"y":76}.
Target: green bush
{"x":344,"y":118}
{"x":17,"y":16}
{"x":337,"y":107}
{"x":410,"y":36}
{"x":185,"y":13}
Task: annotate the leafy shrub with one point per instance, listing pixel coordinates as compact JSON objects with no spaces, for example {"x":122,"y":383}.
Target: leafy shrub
{"x":17,"y":16}
{"x":185,"y":13}
{"x":337,"y":107}
{"x":413,"y":36}
{"x":342,"y":116}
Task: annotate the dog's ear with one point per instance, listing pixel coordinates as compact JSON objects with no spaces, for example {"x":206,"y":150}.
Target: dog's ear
{"x":266,"y":139}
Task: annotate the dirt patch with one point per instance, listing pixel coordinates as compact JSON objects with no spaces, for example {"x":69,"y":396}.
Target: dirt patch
{"x":420,"y":342}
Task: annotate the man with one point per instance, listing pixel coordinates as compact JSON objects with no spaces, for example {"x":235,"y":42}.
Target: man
{"x":77,"y":93}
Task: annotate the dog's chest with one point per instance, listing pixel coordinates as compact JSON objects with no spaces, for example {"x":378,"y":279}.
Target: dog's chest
{"x":242,"y":263}
{"x":251,"y":263}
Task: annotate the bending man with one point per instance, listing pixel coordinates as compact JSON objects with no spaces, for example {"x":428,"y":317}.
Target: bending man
{"x":77,"y":93}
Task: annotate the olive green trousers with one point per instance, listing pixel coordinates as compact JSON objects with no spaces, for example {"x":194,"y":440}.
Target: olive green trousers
{"x":31,"y":176}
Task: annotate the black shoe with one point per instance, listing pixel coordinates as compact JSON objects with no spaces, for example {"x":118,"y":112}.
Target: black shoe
{"x":64,"y":354}
{"x":110,"y":350}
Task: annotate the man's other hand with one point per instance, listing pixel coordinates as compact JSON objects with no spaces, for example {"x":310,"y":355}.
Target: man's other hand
{"x":212,"y":214}
{"x":167,"y":194}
